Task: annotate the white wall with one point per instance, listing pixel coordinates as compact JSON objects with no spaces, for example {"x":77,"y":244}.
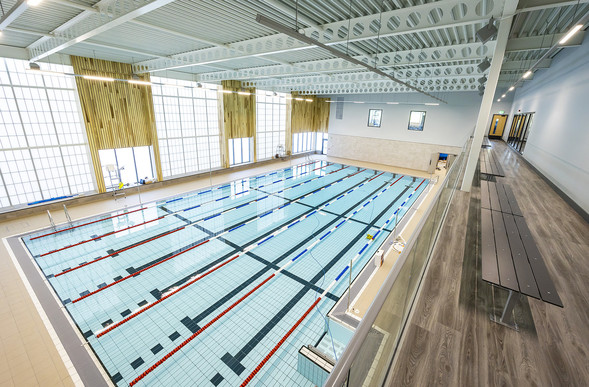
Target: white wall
{"x":446,"y":129}
{"x":558,"y":144}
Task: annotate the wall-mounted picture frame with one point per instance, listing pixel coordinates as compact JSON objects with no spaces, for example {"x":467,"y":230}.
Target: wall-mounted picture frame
{"x":374,"y":118}
{"x":416,"y":120}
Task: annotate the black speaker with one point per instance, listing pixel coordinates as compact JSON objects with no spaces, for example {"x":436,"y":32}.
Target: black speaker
{"x":485,"y":64}
{"x":487,"y":32}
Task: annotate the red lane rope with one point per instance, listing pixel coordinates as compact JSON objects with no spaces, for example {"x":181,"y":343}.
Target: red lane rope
{"x":119,"y":251}
{"x":137,"y":272}
{"x":85,"y":224}
{"x":396,"y":181}
{"x":101,"y":236}
{"x":201,"y":330}
{"x":111,"y":327}
{"x":337,"y":170}
{"x":326,"y":165}
{"x":376,"y":176}
{"x":279,"y":344}
{"x":420,"y":184}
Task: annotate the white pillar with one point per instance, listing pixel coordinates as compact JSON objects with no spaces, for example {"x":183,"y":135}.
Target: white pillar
{"x":496,"y":63}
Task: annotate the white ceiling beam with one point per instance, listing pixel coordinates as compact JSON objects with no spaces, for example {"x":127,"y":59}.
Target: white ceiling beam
{"x":543,"y":41}
{"x":394,"y":23}
{"x":113,"y":14}
{"x":468,"y":51}
{"x":13,"y":13}
{"x":537,"y":5}
{"x":421,"y":73}
{"x":523,"y":65}
{"x":91,"y":10}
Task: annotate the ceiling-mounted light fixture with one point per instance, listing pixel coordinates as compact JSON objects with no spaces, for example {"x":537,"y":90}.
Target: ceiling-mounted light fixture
{"x":487,"y":32}
{"x":498,"y":99}
{"x":243,"y":93}
{"x":485,"y":64}
{"x":299,"y":99}
{"x":308,"y":100}
{"x":483,"y":79}
{"x":199,"y":85}
{"x":392,"y":103}
{"x":527,"y":74}
{"x":431,"y":104}
{"x":570,"y":34}
{"x":503,"y":96}
{"x":34,"y":66}
{"x":33,"y":3}
{"x":511,"y":88}
{"x":226,"y":91}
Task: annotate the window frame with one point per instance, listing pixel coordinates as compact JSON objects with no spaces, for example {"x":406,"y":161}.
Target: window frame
{"x":421,"y":125}
{"x":379,"y":118}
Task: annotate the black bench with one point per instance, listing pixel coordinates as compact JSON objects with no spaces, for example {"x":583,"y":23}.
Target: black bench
{"x":510,"y":257}
{"x":489,"y":163}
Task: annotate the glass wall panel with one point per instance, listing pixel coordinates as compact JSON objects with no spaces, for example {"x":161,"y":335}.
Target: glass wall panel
{"x":187,"y":120}
{"x":43,"y":150}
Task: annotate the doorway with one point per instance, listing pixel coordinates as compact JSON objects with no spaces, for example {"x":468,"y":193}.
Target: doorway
{"x":497,"y":125}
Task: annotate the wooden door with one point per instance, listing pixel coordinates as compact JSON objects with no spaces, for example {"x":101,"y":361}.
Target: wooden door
{"x":497,"y":125}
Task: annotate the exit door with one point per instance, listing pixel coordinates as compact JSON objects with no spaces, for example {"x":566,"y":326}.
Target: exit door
{"x":497,"y":125}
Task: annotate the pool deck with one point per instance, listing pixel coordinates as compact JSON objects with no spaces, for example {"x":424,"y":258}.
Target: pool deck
{"x":28,"y":355}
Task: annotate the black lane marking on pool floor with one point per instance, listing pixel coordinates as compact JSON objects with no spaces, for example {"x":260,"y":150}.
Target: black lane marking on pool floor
{"x":309,"y":205}
{"x":234,"y":362}
{"x":132,"y":270}
{"x":254,"y":178}
{"x":253,"y":241}
{"x":114,"y":253}
{"x":157,"y":293}
{"x":192,"y":323}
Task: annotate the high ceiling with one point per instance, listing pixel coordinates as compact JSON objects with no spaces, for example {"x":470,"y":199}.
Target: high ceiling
{"x":430,"y":44}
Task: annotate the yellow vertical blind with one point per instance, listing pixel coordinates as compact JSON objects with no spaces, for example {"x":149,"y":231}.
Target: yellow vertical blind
{"x":309,"y":116}
{"x":239,"y":114}
{"x":116,"y":114}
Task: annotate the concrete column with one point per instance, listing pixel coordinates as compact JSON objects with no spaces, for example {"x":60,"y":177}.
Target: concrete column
{"x":496,"y":63}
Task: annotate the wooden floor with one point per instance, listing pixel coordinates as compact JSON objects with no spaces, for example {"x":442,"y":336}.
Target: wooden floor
{"x":450,"y":340}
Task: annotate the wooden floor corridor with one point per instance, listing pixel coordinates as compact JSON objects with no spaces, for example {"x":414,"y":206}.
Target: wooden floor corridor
{"x":450,"y":340}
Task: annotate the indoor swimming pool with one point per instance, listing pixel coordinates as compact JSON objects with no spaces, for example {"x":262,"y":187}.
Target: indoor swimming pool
{"x":224,"y":285}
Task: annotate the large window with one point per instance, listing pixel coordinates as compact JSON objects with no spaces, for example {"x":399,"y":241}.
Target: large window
{"x":240,"y":150}
{"x":321,"y":143}
{"x":43,"y":150}
{"x":270,"y":122}
{"x":187,"y":121}
{"x":126,"y":165}
{"x":302,"y":142}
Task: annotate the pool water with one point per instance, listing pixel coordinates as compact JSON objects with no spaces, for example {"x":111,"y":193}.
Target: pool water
{"x":220,"y":286}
